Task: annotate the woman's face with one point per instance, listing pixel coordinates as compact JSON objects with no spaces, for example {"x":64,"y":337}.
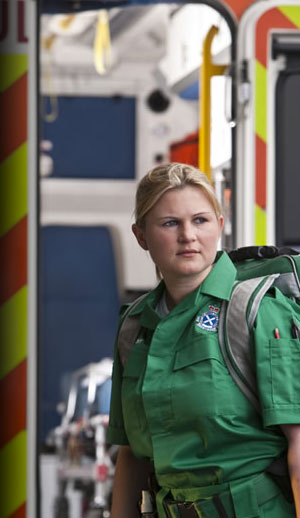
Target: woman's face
{"x":181,"y":233}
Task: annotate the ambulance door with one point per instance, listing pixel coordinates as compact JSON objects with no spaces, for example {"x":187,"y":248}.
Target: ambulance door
{"x":18,"y":258}
{"x":264,"y":206}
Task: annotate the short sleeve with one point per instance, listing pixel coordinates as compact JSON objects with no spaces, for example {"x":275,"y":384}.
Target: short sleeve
{"x":277,"y":359}
{"x":116,"y":433}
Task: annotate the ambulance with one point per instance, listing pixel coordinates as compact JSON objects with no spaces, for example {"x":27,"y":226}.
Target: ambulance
{"x":94,"y":94}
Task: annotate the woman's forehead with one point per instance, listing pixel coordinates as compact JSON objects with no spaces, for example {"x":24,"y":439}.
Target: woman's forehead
{"x":187,"y":192}
{"x":177,"y":199}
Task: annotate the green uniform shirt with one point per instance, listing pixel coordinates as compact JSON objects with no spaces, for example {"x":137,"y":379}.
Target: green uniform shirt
{"x":175,"y":402}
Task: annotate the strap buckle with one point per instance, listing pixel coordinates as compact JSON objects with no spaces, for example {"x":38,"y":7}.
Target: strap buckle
{"x":174,"y":509}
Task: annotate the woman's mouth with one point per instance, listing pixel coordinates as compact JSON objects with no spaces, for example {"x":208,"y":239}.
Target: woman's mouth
{"x":188,"y":252}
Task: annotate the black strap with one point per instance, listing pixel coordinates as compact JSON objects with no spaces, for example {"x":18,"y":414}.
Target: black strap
{"x":219,"y":506}
{"x":253,"y":252}
{"x":259,"y":252}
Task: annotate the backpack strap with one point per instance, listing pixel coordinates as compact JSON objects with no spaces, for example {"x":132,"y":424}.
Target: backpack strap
{"x":234,"y":334}
{"x":289,"y":283}
{"x":129,"y":330}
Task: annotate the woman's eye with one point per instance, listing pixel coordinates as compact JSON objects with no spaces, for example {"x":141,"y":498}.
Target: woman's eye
{"x":170,"y":223}
{"x":200,"y":220}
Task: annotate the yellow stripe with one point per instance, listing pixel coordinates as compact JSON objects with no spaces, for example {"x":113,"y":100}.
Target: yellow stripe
{"x":13,"y":189}
{"x":12,"y":67}
{"x":13,"y":475}
{"x":261,"y":101}
{"x":260,"y":226}
{"x":13,"y":331}
{"x":292,"y":12}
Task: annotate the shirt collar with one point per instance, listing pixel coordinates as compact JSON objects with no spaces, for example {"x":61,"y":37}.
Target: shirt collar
{"x":146,"y":307}
{"x":218,"y":283}
{"x":220,"y":280}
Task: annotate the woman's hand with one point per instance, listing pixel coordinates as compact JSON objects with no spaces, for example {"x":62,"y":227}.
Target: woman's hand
{"x":130,"y":478}
{"x":292,"y":433}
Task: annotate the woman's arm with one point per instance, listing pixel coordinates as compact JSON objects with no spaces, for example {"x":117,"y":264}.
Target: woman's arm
{"x":130,"y":478}
{"x":292,"y":433}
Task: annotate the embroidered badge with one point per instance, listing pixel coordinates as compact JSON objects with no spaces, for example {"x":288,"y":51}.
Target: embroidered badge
{"x":209,"y":320}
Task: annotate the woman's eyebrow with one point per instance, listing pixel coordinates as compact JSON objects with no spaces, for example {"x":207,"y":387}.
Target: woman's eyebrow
{"x":168,"y":217}
{"x":178,"y":217}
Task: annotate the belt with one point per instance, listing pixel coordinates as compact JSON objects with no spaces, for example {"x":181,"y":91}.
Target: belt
{"x":242,"y":499}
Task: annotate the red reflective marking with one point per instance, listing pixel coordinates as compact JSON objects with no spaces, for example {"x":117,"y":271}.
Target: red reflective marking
{"x":13,"y":122}
{"x":261,"y":172}
{"x":13,"y":403}
{"x":13,"y":260}
{"x":20,"y":512}
{"x":272,"y":19}
{"x":238,"y":6}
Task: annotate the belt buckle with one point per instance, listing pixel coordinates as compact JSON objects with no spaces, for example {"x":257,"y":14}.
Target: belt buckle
{"x":188,"y":511}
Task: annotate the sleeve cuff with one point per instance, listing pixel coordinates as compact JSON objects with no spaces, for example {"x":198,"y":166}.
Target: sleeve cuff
{"x":117,"y":436}
{"x":290,"y":414}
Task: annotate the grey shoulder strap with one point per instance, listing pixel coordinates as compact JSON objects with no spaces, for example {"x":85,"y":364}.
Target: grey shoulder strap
{"x":128,"y":331}
{"x":234,"y":334}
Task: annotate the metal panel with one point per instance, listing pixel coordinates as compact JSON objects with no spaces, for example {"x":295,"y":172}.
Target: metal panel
{"x":288,"y":151}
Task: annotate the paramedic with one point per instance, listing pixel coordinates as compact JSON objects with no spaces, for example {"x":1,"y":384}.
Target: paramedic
{"x":175,"y":410}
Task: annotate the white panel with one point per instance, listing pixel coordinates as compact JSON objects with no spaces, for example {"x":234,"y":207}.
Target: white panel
{"x":96,"y":202}
{"x":220,"y":128}
{"x":274,"y":68}
{"x":187,"y":30}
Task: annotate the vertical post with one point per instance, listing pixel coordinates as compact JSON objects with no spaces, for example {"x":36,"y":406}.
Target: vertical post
{"x":32,"y":507}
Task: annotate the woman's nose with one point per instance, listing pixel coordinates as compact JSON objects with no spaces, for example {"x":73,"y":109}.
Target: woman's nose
{"x":187,"y":232}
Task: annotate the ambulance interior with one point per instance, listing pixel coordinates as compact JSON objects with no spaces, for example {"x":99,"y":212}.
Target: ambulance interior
{"x":119,"y":94}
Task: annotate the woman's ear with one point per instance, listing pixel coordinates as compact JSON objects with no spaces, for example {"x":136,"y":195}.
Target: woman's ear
{"x":221,"y":223}
{"x":140,"y":236}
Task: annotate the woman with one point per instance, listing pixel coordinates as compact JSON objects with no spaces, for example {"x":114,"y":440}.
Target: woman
{"x":175,"y":409}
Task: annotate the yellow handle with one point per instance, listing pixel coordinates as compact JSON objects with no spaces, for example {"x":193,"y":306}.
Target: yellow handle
{"x":208,"y":70}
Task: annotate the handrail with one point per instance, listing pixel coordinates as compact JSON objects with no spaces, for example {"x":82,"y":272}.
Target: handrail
{"x":207,"y":71}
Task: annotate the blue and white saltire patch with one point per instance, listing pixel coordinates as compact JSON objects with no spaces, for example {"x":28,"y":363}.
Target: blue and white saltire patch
{"x":209,"y":320}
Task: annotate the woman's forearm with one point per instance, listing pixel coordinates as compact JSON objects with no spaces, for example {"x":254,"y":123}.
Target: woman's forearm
{"x":130,"y":478}
{"x":294,"y":470}
{"x":292,"y":433}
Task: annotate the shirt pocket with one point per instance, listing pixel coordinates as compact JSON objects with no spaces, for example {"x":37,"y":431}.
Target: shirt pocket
{"x":132,"y":405}
{"x":201,"y":383}
{"x":285,"y":369}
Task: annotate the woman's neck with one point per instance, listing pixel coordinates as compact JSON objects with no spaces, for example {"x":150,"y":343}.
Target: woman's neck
{"x":177,"y":289}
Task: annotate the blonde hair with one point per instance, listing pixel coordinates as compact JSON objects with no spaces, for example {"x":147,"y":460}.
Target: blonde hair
{"x":170,"y":176}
